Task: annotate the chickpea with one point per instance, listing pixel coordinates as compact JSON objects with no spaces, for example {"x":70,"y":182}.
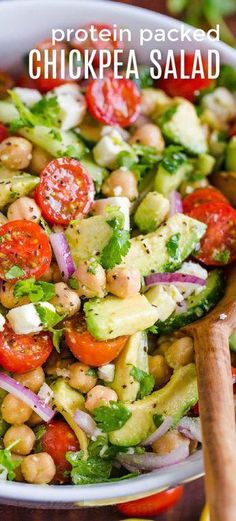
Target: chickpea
{"x":52,"y":273}
{"x":123,"y":282}
{"x":18,"y":474}
{"x":24,"y":208}
{"x":26,"y":438}
{"x":33,"y":379}
{"x":100,"y":395}
{"x":66,"y":300}
{"x":149,"y":135}
{"x":91,"y":280}
{"x":38,"y":468}
{"x":180,"y":353}
{"x":170,"y":441}
{"x":122,"y":183}
{"x":79,"y":379}
{"x":14,"y":411}
{"x":15,"y":153}
{"x":159,"y":368}
{"x":7,"y":297}
{"x":34,"y":419}
{"x":153,"y":100}
{"x":58,"y":364}
{"x":40,"y":159}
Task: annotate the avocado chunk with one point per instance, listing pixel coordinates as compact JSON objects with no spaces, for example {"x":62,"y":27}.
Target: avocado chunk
{"x":134,"y":354}
{"x":67,"y":402}
{"x":152,"y":252}
{"x":111,"y":317}
{"x":181,"y":125}
{"x":98,"y":173}
{"x":174,"y":400}
{"x":16,"y":186}
{"x":87,"y":238}
{"x":165,"y":181}
{"x":151,"y":212}
{"x":230,"y":161}
{"x":197,"y":305}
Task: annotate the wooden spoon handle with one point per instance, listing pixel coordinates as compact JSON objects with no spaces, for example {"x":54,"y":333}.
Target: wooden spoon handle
{"x":218,"y":419}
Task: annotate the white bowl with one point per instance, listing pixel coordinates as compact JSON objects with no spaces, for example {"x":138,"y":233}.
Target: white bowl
{"x":22,"y":24}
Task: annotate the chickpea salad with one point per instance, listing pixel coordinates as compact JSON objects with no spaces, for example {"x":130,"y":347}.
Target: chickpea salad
{"x":117,"y":219}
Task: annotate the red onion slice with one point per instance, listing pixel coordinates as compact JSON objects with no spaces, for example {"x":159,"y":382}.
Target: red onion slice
{"x":160,"y":431}
{"x":62,"y":253}
{"x":191,"y":428}
{"x":173,"y":278}
{"x":151,"y":461}
{"x":85,"y":422}
{"x":176,"y":205}
{"x":23,"y":393}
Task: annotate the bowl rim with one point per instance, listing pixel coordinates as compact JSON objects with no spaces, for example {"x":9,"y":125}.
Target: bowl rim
{"x":146,"y":484}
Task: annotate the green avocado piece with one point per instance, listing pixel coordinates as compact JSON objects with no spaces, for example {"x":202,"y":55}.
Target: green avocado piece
{"x":67,"y":398}
{"x":197,"y":305}
{"x":87,"y":238}
{"x":150,"y":253}
{"x":15,"y":187}
{"x":165,"y":181}
{"x":151,"y":212}
{"x":111,"y":317}
{"x":181,"y":125}
{"x":134,"y":354}
{"x":230,"y":161}
{"x":174,"y":400}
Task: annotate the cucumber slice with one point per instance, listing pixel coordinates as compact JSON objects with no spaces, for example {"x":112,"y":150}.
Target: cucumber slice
{"x":198,"y":305}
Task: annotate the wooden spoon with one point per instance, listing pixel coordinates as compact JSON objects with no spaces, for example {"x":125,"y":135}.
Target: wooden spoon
{"x":216,"y":402}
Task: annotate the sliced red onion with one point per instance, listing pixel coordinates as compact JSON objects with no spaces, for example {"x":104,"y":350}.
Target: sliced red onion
{"x":191,"y":428}
{"x":85,"y":422}
{"x":62,"y":253}
{"x":160,"y":431}
{"x":151,"y":461}
{"x":23,"y":393}
{"x":176,"y":205}
{"x":173,"y":278}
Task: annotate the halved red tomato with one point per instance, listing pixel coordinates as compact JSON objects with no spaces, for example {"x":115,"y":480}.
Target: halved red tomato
{"x":112,"y":101}
{"x":22,"y":353}
{"x":65,"y":191}
{"x":185,"y":87}
{"x":96,"y":43}
{"x":3,"y":132}
{"x":218,"y":245}
{"x":24,"y":250}
{"x":203,"y":196}
{"x":153,"y":505}
{"x":57,"y":440}
{"x":86,"y":348}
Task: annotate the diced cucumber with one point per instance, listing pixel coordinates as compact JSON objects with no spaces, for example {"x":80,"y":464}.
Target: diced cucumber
{"x":165,"y":181}
{"x":68,"y":144}
{"x":98,"y":173}
{"x":8,"y":112}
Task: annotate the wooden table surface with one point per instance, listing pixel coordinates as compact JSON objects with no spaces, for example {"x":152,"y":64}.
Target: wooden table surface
{"x":189,"y":508}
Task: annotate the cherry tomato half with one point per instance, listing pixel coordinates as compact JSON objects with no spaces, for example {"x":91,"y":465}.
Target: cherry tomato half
{"x":6,"y":83}
{"x":22,"y":353}
{"x":86,"y":348}
{"x":57,"y":440}
{"x":3,"y":132}
{"x":45,"y":84}
{"x":218,"y":245}
{"x":151,"y":505}
{"x":25,"y":247}
{"x":65,"y":191}
{"x":203,"y":196}
{"x":185,"y":87}
{"x":26,"y":82}
{"x":112,"y":101}
{"x":110,"y":45}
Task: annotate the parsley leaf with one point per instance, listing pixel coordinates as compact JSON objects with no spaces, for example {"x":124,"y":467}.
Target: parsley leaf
{"x":111,"y":418}
{"x":103,"y":449}
{"x":7,"y":464}
{"x":222,"y":256}
{"x":15,"y":272}
{"x":48,"y":317}
{"x":172,"y":246}
{"x":146,"y":381}
{"x":48,"y":110}
{"x":35,"y":290}
{"x":57,"y":335}
{"x":45,"y":112}
{"x":93,"y":470}
{"x":119,"y":243}
{"x":173,"y":158}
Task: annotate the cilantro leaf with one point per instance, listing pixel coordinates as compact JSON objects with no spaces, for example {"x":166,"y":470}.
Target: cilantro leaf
{"x":57,"y":335}
{"x":227,"y":77}
{"x":73,"y":283}
{"x":173,"y":158}
{"x":7,"y":464}
{"x":35,"y":290}
{"x":45,"y":112}
{"x":15,"y":272}
{"x":152,"y":329}
{"x":144,"y":78}
{"x":93,"y":470}
{"x":222,"y":256}
{"x":103,"y":449}
{"x":48,"y":110}
{"x":48,"y":317}
{"x":146,"y":381}
{"x":172,"y":246}
{"x":166,"y":116}
{"x":111,"y":418}
{"x":117,"y":247}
